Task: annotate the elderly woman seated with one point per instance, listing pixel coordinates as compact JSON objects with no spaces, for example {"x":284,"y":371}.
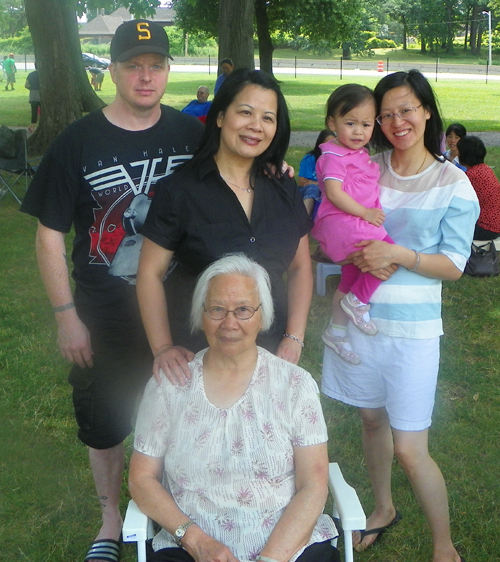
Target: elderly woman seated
{"x":233,"y":465}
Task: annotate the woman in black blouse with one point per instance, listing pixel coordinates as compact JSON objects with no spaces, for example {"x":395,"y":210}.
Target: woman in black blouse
{"x":227,"y":200}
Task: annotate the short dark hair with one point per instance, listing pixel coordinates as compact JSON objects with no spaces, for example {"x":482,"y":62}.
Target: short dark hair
{"x":345,"y":98}
{"x":422,"y":89}
{"x":226,"y":61}
{"x":456,"y":128}
{"x":231,"y":87}
{"x":471,"y":151}
{"x":316,"y":151}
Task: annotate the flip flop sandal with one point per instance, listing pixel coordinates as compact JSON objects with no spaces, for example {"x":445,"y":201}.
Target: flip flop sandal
{"x":379,"y":531}
{"x":104,"y":549}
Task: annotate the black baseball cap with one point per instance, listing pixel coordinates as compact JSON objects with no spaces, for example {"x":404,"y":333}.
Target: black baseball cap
{"x":138,"y":37}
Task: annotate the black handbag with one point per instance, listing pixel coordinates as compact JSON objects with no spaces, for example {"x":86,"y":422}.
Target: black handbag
{"x":483,"y":260}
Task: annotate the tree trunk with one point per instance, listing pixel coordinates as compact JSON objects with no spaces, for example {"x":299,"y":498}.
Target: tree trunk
{"x":236,"y":32}
{"x":423,"y":43}
{"x":266,"y":46}
{"x":473,"y":29}
{"x":466,"y":29}
{"x":405,"y":32}
{"x":346,"y":51}
{"x":64,"y":86}
{"x":479,"y":41}
{"x":450,"y":34}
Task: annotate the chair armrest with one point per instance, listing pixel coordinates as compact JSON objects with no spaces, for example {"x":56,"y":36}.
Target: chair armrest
{"x":345,"y":501}
{"x":137,"y":526}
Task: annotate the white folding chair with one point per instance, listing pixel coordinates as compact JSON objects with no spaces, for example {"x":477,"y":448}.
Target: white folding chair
{"x":346,"y":507}
{"x":138,"y":528}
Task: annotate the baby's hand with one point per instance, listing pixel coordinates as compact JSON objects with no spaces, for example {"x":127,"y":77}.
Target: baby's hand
{"x":374,"y":216}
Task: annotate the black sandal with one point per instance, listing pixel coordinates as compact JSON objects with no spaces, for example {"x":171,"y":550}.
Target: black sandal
{"x":379,"y":531}
{"x":104,"y":549}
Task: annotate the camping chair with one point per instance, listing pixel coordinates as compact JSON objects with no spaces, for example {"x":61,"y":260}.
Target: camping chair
{"x":346,"y":508}
{"x":14,"y":168}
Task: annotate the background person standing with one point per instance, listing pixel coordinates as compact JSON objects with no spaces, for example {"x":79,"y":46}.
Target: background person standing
{"x":226,"y":66}
{"x":4,"y":74}
{"x":97,"y":77}
{"x":33,"y":85}
{"x":10,"y":68}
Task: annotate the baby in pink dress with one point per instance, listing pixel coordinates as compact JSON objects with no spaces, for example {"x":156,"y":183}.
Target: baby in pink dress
{"x":350,"y":210}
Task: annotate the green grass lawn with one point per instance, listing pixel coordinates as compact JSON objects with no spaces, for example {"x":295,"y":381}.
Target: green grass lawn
{"x":47,"y":491}
{"x":472,"y":103}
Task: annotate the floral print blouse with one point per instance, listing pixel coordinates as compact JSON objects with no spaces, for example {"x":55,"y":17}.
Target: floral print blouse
{"x":232,"y":470}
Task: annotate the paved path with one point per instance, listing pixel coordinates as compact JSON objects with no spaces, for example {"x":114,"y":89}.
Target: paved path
{"x":306,"y":139}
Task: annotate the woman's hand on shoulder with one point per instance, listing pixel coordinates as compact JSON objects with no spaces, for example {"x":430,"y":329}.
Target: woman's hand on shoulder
{"x":172,"y":361}
{"x":204,"y":548}
{"x":290,"y":350}
{"x":286,"y":170}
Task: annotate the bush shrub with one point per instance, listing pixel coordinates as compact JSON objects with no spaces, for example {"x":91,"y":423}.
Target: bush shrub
{"x":101,"y":50}
{"x":22,"y":44}
{"x":199,"y":45}
{"x":376,"y":43}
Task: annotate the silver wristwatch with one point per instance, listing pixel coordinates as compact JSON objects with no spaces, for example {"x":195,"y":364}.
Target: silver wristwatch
{"x":181,"y":531}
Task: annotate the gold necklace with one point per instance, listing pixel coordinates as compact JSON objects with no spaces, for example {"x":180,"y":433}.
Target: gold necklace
{"x":247,"y":189}
{"x":421,"y":165}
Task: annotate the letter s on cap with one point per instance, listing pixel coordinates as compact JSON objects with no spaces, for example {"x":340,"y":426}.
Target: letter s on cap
{"x":143,"y":30}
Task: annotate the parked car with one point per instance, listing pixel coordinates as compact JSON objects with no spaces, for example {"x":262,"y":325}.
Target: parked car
{"x":93,"y":60}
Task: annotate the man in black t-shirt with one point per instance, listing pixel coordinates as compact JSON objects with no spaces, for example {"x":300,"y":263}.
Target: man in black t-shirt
{"x":99,"y":176}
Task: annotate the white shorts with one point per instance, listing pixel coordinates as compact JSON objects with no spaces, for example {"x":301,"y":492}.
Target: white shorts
{"x":398,"y":374}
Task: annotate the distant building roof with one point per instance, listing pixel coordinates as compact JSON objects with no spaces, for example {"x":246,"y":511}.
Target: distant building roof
{"x":104,"y":27}
{"x":164,"y":16}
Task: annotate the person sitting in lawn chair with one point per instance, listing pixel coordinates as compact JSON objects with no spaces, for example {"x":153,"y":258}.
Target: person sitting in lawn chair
{"x":200,"y":106}
{"x":241,"y":445}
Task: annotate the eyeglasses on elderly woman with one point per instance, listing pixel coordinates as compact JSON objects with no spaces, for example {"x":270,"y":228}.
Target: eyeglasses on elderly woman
{"x":405,"y":114}
{"x":240,"y":312}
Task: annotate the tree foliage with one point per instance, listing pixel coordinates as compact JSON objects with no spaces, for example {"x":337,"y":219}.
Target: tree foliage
{"x":319,"y":21}
{"x":12,"y":18}
{"x":140,"y":8}
{"x":195,"y":16}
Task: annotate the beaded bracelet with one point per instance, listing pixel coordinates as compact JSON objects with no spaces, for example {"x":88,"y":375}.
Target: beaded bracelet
{"x":295,"y":338}
{"x":417,"y":263}
{"x":265,"y":559}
